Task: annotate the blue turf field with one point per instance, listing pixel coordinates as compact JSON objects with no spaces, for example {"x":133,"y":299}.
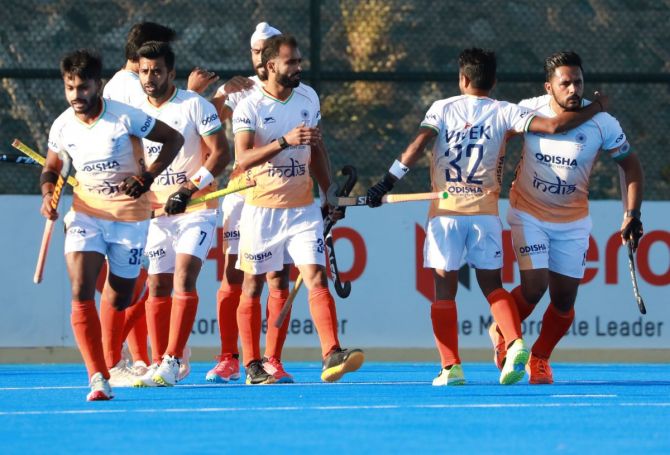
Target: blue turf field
{"x":386,"y":408}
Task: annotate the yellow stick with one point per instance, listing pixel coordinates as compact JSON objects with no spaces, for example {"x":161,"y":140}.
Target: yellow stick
{"x":23,"y":148}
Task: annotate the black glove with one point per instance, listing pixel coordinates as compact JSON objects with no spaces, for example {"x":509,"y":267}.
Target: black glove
{"x":632,"y":230}
{"x":178,"y":201}
{"x":136,"y":185}
{"x":378,"y":191}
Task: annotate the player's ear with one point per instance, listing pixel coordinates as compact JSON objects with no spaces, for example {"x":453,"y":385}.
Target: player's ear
{"x":547,"y":87}
{"x":172,"y":74}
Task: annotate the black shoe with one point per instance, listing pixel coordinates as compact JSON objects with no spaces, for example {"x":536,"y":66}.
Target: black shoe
{"x":256,"y":374}
{"x":341,"y":361}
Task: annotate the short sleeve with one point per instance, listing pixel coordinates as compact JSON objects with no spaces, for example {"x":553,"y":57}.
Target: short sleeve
{"x":205,"y":116}
{"x":615,"y":142}
{"x":433,"y":118}
{"x":139,"y":123}
{"x":244,"y":117}
{"x":515,"y":117}
{"x":54,"y":142}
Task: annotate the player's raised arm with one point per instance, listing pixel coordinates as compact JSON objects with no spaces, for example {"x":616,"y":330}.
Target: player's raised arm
{"x":568,"y":120}
{"x":401,"y":166}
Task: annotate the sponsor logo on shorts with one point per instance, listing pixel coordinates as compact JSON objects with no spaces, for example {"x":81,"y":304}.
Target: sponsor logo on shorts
{"x":557,"y":161}
{"x":77,"y":231}
{"x":100,"y":166}
{"x":153,"y":149}
{"x":258,"y":257}
{"x":530,"y":250}
{"x":231,"y":235}
{"x":155,"y":254}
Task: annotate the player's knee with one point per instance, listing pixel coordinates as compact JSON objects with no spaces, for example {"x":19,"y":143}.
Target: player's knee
{"x":252,"y":287}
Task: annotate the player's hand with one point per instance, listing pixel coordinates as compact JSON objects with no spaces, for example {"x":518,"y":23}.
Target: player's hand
{"x":602,"y":99}
{"x":46,"y":209}
{"x":178,"y":201}
{"x":378,"y":191}
{"x":200,"y":79}
{"x":303,"y":135}
{"x":136,"y":185}
{"x":631,"y":229}
{"x":334,"y":213}
{"x":236,"y":84}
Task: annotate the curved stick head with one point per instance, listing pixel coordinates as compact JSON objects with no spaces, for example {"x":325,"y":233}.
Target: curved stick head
{"x":331,"y":194}
{"x":343,"y":290}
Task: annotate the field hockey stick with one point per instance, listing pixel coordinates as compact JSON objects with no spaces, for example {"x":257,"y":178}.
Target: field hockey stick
{"x":355,"y":201}
{"x":349,"y":171}
{"x":18,"y":159}
{"x":23,"y":148}
{"x":49,"y":225}
{"x":629,"y":246}
{"x":213,"y":195}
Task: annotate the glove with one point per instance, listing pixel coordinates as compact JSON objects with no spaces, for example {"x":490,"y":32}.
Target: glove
{"x":178,"y":201}
{"x":378,"y":191}
{"x":632,"y":230}
{"x":136,"y":185}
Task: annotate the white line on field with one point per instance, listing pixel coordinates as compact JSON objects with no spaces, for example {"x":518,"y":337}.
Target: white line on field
{"x":333,"y":408}
{"x":586,"y":395}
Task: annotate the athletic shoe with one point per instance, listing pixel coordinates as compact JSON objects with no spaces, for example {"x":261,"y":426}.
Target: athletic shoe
{"x":539,"y":371}
{"x":125,"y":353}
{"x":140,"y":368}
{"x":167,"y":372}
{"x":121,"y":375}
{"x":146,"y":380}
{"x":499,"y":347}
{"x":274,"y":366}
{"x":100,"y":389}
{"x":339,"y":362}
{"x":185,"y":366}
{"x":515,"y":366}
{"x":228,"y":369}
{"x":450,"y":376}
{"x":256,"y":374}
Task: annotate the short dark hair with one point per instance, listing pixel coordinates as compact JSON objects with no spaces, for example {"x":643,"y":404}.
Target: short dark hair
{"x":273,"y":44}
{"x":156,"y":49}
{"x":479,"y":66}
{"x":84,"y":63}
{"x":143,"y":32}
{"x":563,"y":58}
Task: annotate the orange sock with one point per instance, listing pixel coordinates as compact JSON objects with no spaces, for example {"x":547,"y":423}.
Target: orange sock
{"x":554,"y":325}
{"x":158,"y":323}
{"x":444,"y":315}
{"x":182,"y":317}
{"x":275,"y":337}
{"x":523,"y":307}
{"x":227,"y":301}
{"x":322,"y":308}
{"x":249,"y":325}
{"x":505,"y":313}
{"x":137,"y":341}
{"x":111,"y":322}
{"x":88,"y":334}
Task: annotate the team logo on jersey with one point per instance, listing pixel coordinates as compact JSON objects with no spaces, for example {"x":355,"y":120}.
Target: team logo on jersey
{"x":558,"y":161}
{"x":268,"y":120}
{"x":581,"y":138}
{"x":560,"y":187}
{"x":100,"y":166}
{"x":464,"y":190}
{"x":304,"y":114}
{"x":295,"y":169}
{"x":169,"y":177}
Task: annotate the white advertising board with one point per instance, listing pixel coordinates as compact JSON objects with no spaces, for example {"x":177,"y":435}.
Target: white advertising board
{"x":380,"y":252}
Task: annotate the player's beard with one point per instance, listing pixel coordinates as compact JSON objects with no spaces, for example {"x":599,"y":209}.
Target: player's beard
{"x":85,"y":106}
{"x":261,"y":72}
{"x":159,"y":90}
{"x":289,"y":80}
{"x":571,"y":103}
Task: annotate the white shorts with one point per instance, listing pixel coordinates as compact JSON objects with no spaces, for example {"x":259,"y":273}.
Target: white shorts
{"x":232,"y":209}
{"x":272,"y":236}
{"x":188,"y":233}
{"x":450,"y":240}
{"x":121,"y":241}
{"x":560,"y":247}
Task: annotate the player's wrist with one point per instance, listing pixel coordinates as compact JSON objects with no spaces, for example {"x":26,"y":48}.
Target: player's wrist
{"x":283,"y":143}
{"x":398,"y":170}
{"x":202,"y":178}
{"x":633,"y":213}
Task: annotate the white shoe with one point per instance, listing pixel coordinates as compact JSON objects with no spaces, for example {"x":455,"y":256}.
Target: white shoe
{"x":451,"y":376}
{"x":121,"y":375}
{"x":140,"y":368}
{"x":100,"y":389}
{"x":168,"y":371}
{"x":125,"y":353}
{"x":515,"y":364}
{"x":185,"y":367}
{"x":146,"y":380}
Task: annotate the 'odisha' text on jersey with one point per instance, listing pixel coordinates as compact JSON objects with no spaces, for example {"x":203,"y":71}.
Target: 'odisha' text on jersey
{"x":193,"y":116}
{"x":103,"y":156}
{"x":469,"y":151}
{"x":124,"y":87}
{"x":284,"y":181}
{"x":552,"y":178}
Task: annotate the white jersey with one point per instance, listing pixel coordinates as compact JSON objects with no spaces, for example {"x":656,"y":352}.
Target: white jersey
{"x":469,"y":150}
{"x":234,"y":99}
{"x":103,"y":156}
{"x":124,"y":87}
{"x":194,"y":117}
{"x":284,"y":181}
{"x":552,"y":179}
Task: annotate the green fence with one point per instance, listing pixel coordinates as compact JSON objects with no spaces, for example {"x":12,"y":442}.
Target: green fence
{"x":377,"y":65}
